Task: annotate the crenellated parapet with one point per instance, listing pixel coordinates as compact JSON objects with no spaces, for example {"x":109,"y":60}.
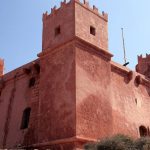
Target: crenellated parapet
{"x":85,"y":4}
{"x":94,"y":9}
{"x":143,"y":65}
{"x":142,"y":59}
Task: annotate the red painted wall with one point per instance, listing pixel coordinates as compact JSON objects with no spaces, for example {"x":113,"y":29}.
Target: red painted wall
{"x":130,"y":103}
{"x":15,"y":97}
{"x":57,"y":94}
{"x":94,"y":111}
{"x":63,"y":17}
{"x":86,"y":17}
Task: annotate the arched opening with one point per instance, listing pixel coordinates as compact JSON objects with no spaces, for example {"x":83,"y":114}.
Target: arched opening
{"x":143,"y":131}
{"x":25,"y":118}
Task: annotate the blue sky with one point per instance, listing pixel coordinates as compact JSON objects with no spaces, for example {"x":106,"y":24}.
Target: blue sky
{"x":21,"y":29}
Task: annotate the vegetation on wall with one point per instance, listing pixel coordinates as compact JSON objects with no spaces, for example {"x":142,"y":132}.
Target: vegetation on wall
{"x":120,"y":142}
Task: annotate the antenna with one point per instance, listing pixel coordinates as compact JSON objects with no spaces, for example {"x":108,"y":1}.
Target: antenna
{"x":124,"y":49}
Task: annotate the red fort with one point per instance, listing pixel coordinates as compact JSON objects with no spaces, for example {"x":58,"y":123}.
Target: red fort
{"x":73,"y":93}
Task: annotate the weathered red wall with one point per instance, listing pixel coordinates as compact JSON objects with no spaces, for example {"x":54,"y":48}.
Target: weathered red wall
{"x":57,"y":94}
{"x":86,"y":17}
{"x":128,"y":115}
{"x":63,"y":17}
{"x":80,"y":93}
{"x":107,"y":101}
{"x":94,"y":111}
{"x":15,"y":97}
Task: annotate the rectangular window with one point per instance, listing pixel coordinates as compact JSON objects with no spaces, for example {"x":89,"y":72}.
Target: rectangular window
{"x":92,"y":30}
{"x":57,"y":31}
{"x":25,"y":118}
{"x":31,"y":82}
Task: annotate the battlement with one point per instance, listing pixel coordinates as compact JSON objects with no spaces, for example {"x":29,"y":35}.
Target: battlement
{"x":144,"y":59}
{"x":85,"y":4}
{"x":143,"y":65}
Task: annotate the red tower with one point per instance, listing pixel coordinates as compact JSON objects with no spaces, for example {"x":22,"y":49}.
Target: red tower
{"x":143,"y":65}
{"x":74,"y":36}
{"x":75,"y":19}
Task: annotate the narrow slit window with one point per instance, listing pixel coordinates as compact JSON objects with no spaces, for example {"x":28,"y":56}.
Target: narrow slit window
{"x":136,"y":101}
{"x":57,"y":30}
{"x":32,"y":82}
{"x":25,"y":118}
{"x":92,"y":30}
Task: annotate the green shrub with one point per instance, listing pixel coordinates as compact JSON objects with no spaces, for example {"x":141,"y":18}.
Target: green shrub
{"x":118,"y":142}
{"x":142,"y":143}
{"x":90,"y":146}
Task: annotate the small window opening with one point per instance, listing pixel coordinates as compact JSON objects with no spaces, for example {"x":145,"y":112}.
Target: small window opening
{"x":57,"y":31}
{"x":32,"y":82}
{"x":92,"y":30}
{"x":143,"y":131}
{"x":136,"y":101}
{"x":25,"y":118}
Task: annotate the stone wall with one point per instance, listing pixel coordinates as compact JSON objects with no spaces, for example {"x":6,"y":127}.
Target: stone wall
{"x":16,"y":96}
{"x":130,"y":101}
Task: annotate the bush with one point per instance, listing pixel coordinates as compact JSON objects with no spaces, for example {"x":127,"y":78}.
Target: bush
{"x":142,"y":143}
{"x":120,"y":142}
{"x":90,"y":146}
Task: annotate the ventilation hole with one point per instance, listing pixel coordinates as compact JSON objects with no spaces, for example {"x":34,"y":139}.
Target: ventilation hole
{"x":136,"y":100}
{"x":92,"y":30}
{"x":32,"y":82}
{"x":57,"y":31}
